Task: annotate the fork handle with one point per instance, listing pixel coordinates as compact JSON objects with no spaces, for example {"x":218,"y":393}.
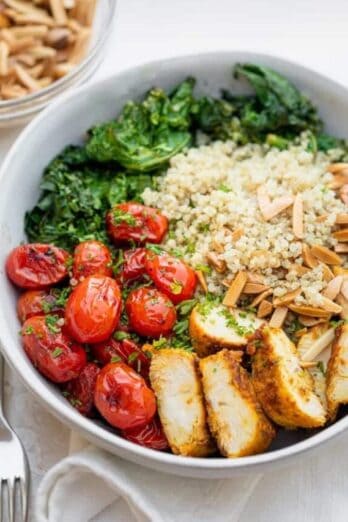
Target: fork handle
{"x":2,"y":382}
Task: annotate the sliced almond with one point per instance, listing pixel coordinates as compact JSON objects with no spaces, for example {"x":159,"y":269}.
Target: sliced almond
{"x":254,"y":288}
{"x":25,"y":79}
{"x":24,"y":7}
{"x":344,"y":289}
{"x":58,"y":11}
{"x":261,"y":297}
{"x":278,"y":317}
{"x":338,"y":270}
{"x":310,"y":311}
{"x":341,"y":235}
{"x":344,"y":194}
{"x":342,"y":219}
{"x":311,"y":321}
{"x":80,"y":47}
{"x":276,"y":207}
{"x":300,"y":270}
{"x":264,"y":309}
{"x":255,"y":278}
{"x":202,"y":281}
{"x":9,"y":92}
{"x":344,"y":303}
{"x":308,"y":257}
{"x":237,"y":234}
{"x":327,"y":273}
{"x":330,"y":306}
{"x":338,"y":168}
{"x":287,"y":298}
{"x":308,"y":364}
{"x":263,"y":199}
{"x":321,"y":219}
{"x":4,"y":21}
{"x":217,"y":246}
{"x":319,"y":345}
{"x":235,"y":290}
{"x":297,"y":217}
{"x":4,"y":52}
{"x":325,"y":255}
{"x":62,"y":69}
{"x":42,"y":51}
{"x":37,"y":31}
{"x":337,"y":182}
{"x":333,"y":288}
{"x":218,"y":264}
{"x":341,"y":248}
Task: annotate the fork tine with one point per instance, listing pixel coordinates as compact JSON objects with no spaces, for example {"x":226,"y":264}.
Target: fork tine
{"x":24,"y":491}
{"x":11,"y":499}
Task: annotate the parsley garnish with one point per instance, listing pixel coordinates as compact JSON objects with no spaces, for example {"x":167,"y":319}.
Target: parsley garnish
{"x":176,"y":287}
{"x":57,"y":352}
{"x":51,"y":323}
{"x":120,"y":217}
{"x":29,"y":330}
{"x":132,"y":357}
{"x":120,"y":335}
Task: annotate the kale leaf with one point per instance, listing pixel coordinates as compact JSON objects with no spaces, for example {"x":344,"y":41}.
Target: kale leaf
{"x":76,"y":194}
{"x":148,"y":133}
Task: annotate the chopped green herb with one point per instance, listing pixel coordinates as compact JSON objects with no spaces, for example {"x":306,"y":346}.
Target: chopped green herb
{"x":224,"y":188}
{"x":204,"y":268}
{"x":120,"y":335}
{"x":120,"y":217}
{"x":176,"y":287}
{"x":51,"y":323}
{"x":132,"y":357}
{"x":57,"y":352}
{"x":29,"y":330}
{"x":321,"y":367}
{"x":115,"y":359}
{"x":156,"y":249}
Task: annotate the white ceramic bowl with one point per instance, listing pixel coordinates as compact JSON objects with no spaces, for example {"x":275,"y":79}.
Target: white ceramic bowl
{"x":65,"y":122}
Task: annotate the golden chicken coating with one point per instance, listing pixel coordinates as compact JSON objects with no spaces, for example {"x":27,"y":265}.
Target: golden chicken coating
{"x":284,"y":389}
{"x":176,"y":383}
{"x":235,"y":417}
{"x":337,"y":372}
{"x":216,"y":326}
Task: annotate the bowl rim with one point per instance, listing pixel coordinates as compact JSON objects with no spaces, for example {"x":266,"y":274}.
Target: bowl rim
{"x":89,"y":428}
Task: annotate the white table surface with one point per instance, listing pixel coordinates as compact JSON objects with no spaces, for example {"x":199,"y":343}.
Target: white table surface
{"x":312,"y":32}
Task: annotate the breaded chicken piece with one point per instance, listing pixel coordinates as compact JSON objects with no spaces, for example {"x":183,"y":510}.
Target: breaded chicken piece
{"x":235,"y":417}
{"x":217,"y":326}
{"x":337,"y":372}
{"x":175,"y":380}
{"x":317,"y":372}
{"x":284,"y":389}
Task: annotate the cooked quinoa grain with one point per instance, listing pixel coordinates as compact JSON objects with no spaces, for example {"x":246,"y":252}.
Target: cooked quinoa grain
{"x":210,"y":192}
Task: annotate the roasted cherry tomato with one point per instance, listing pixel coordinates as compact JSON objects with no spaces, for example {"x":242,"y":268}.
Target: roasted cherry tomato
{"x":150,"y":436}
{"x":36,"y":266}
{"x":91,"y":258}
{"x":36,"y":302}
{"x":172,"y":276}
{"x":129,"y":222}
{"x":126,"y":351}
{"x":123,"y":398}
{"x":93,"y":309}
{"x":150,"y":313}
{"x":133,"y":266}
{"x":54,"y":354}
{"x":80,"y":391}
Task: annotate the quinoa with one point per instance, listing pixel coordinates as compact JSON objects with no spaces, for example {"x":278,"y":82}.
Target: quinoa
{"x":210,"y":191}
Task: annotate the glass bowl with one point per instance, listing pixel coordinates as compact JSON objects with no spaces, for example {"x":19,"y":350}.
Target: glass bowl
{"x":21,"y":110}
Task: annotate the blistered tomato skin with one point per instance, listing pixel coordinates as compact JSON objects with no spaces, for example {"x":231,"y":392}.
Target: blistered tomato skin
{"x":172,"y":276}
{"x":93,"y":309}
{"x":80,"y":391}
{"x":150,"y":436}
{"x":134,"y":265}
{"x":35,"y":302}
{"x":126,"y":351}
{"x":91,"y":258}
{"x":123,"y":398}
{"x":150,"y":312}
{"x":133,"y":222}
{"x":36,"y":266}
{"x":52,"y":352}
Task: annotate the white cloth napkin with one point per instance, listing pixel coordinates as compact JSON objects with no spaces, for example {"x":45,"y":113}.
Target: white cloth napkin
{"x":94,"y":486}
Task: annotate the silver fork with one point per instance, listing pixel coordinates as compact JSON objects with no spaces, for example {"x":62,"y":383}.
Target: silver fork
{"x":14,"y":469}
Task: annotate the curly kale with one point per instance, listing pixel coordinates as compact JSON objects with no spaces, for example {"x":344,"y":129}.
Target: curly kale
{"x":146,"y":134}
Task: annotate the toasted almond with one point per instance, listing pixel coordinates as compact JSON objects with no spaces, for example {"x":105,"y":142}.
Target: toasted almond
{"x":341,"y":248}
{"x":261,"y":297}
{"x":255,"y":278}
{"x":308,"y":364}
{"x":9,"y":92}
{"x":24,"y":7}
{"x":342,"y":219}
{"x":33,"y":18}
{"x":202,"y":281}
{"x":344,"y":288}
{"x":338,"y":270}
{"x":45,"y":81}
{"x":327,"y":273}
{"x":337,"y":182}
{"x":341,"y":235}
{"x":311,"y":321}
{"x":37,"y":31}
{"x":25,"y":59}
{"x":62,"y":69}
{"x":333,"y":288}
{"x":219,"y":264}
{"x":330,"y":306}
{"x":22,"y":44}
{"x":84,"y":11}
{"x":263,"y":199}
{"x":308,"y":257}
{"x":36,"y":71}
{"x":217,"y":246}
{"x":342,"y":301}
{"x":344,"y":194}
{"x":338,"y":168}
{"x":4,"y":21}
{"x":227,"y":282}
{"x":264,"y":309}
{"x":297,"y":217}
{"x":80,"y":47}
{"x":42,"y":51}
{"x":287,"y":298}
{"x":4,"y":52}
{"x":58,"y":11}
{"x":310,"y":311}
{"x":25,"y":79}
{"x":299,"y":269}
{"x":277,"y":207}
{"x":237,"y":234}
{"x":300,"y":333}
{"x":278,"y":317}
{"x":254,"y":288}
{"x":236,"y":288}
{"x":321,"y":219}
{"x":319,"y":345}
{"x":325,"y":255}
